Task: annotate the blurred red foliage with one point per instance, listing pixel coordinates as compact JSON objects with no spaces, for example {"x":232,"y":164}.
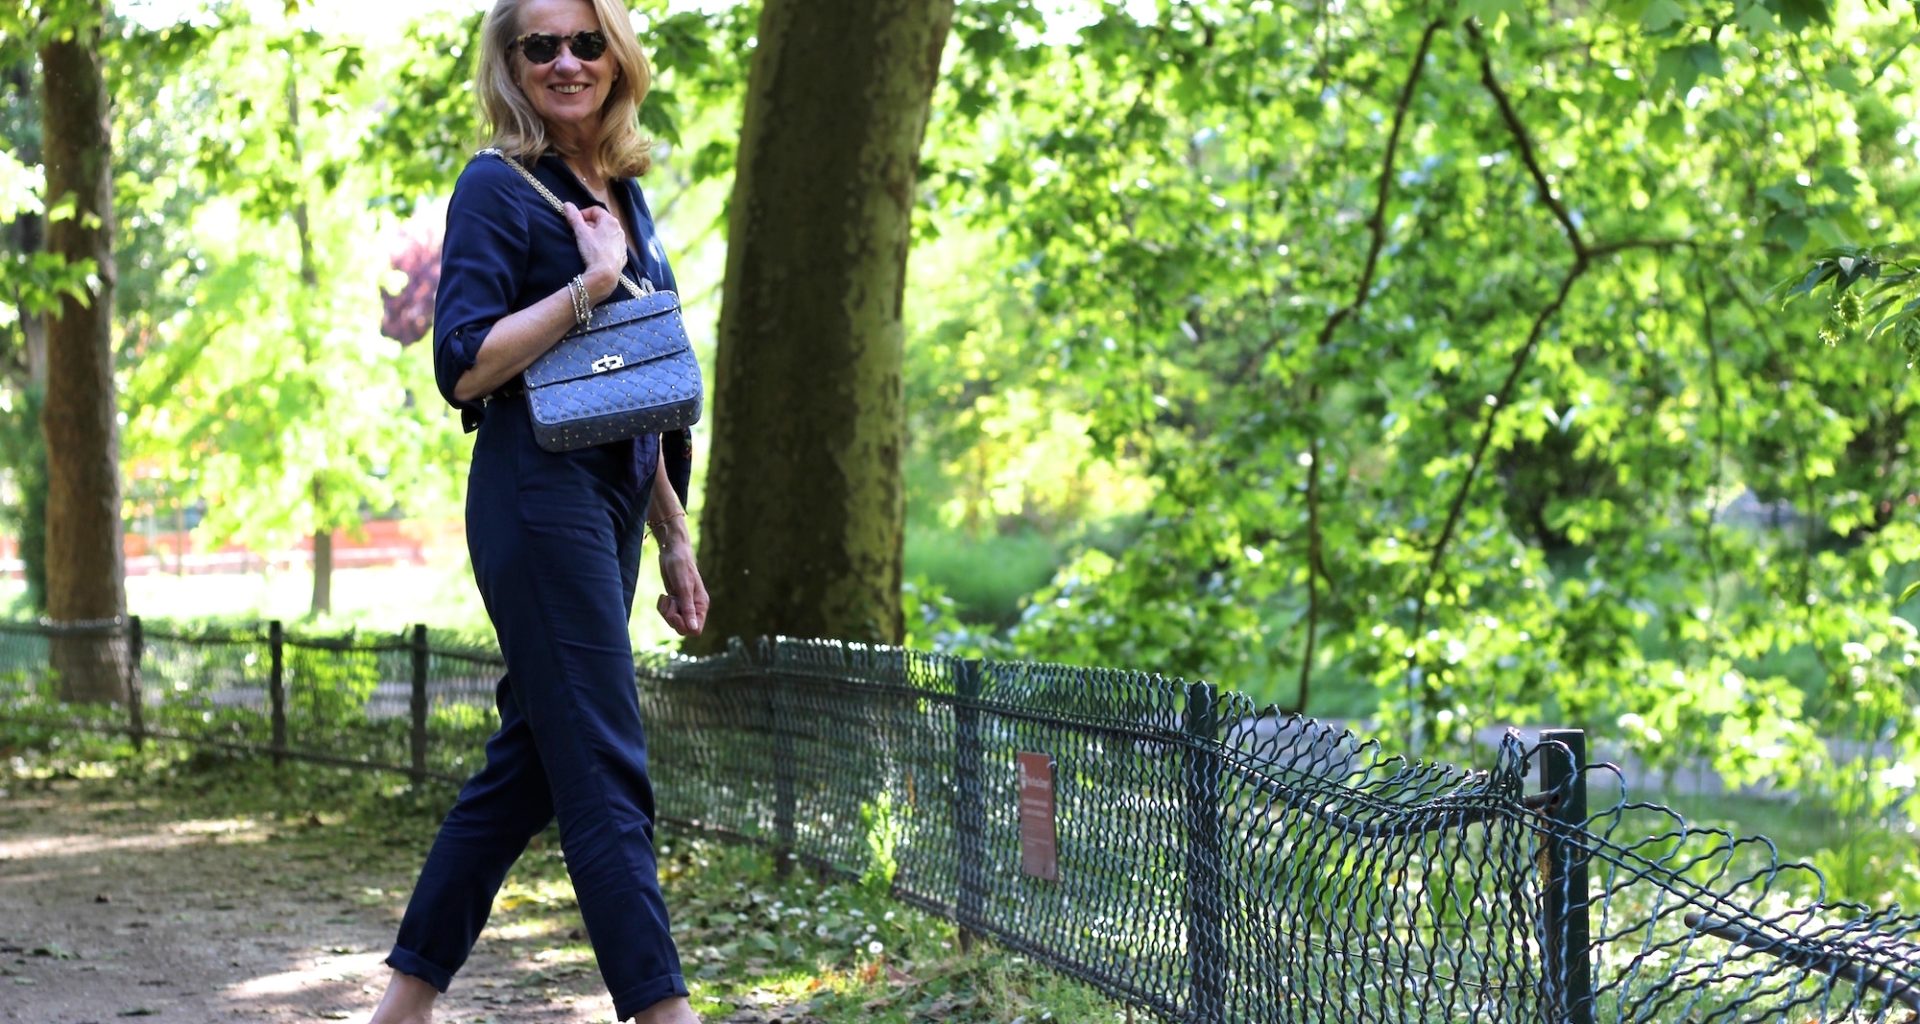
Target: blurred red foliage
{"x":408,"y":313}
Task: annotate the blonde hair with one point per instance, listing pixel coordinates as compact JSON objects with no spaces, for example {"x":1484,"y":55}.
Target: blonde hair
{"x":516,"y":127}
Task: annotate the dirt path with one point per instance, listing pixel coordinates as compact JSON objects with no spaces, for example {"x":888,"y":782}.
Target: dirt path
{"x":110,"y":910}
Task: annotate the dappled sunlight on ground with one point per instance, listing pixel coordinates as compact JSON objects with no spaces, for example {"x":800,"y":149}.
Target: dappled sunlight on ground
{"x":323,"y":971}
{"x":108,"y":910}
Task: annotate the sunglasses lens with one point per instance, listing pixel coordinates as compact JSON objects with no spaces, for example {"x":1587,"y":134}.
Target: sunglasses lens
{"x":540,"y":48}
{"x":589,"y":45}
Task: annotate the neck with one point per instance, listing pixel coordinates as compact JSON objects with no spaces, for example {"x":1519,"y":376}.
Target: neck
{"x":583,"y":169}
{"x":575,"y":147}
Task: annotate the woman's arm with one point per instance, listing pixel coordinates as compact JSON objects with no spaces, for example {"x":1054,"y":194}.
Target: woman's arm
{"x":519,"y":338}
{"x":684,"y":605}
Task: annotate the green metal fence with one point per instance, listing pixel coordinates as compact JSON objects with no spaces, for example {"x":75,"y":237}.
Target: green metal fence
{"x":1178,"y":848}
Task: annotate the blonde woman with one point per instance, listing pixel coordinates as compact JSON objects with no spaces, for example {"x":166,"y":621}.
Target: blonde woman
{"x":555,"y":537}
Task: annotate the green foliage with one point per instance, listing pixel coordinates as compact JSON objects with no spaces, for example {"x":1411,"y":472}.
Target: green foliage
{"x":1444,"y":350}
{"x":1886,"y":303}
{"x":272,"y":387}
{"x":23,"y":449}
{"x":884,"y":832}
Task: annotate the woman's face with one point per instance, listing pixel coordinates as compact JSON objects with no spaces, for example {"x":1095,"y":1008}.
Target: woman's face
{"x":567,"y":92}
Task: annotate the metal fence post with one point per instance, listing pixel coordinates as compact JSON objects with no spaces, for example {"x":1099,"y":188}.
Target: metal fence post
{"x":1206,"y":951}
{"x":969,"y":805}
{"x":136,"y":698}
{"x":417,"y":705}
{"x":1563,"y":755}
{"x":277,"y":688}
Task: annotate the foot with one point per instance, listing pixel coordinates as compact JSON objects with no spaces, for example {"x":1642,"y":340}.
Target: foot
{"x":408,"y":1000}
{"x":668,"y":1011}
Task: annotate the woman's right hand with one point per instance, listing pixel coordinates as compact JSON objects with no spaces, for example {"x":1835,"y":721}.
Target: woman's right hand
{"x":603,"y":247}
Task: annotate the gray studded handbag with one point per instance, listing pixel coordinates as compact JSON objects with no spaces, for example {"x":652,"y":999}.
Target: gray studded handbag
{"x":629,"y":370}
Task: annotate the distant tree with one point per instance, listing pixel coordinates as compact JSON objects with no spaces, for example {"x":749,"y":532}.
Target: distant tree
{"x":273,"y":395}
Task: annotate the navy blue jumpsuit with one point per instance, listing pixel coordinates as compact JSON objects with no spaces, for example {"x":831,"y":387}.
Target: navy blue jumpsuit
{"x":555,"y":540}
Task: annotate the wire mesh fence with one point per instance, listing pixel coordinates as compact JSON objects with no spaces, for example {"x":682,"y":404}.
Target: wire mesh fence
{"x":1173,"y":846}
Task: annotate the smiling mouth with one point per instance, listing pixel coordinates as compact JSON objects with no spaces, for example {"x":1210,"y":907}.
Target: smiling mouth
{"x":570,"y":89}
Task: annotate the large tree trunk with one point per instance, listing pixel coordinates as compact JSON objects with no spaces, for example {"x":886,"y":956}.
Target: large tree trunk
{"x":86,"y":572}
{"x":801,"y":532}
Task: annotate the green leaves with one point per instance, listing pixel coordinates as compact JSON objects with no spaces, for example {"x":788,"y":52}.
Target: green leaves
{"x":1887,"y":302}
{"x":1173,"y":242}
{"x":1679,"y":68}
{"x":1799,"y":15}
{"x":1663,"y":16}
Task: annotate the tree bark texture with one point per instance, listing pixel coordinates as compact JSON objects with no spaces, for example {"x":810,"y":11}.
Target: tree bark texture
{"x":802,"y":529}
{"x":86,"y":571}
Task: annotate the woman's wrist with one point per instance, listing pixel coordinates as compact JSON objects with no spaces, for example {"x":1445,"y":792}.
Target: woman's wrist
{"x":600,"y":282}
{"x":670,"y":529}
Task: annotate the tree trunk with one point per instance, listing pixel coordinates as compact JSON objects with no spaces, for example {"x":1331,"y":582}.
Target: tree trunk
{"x":801,"y":533}
{"x":322,"y":563}
{"x":322,"y":603}
{"x":86,"y":571}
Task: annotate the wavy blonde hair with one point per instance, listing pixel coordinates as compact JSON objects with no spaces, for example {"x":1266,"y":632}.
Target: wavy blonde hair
{"x":517,"y":129}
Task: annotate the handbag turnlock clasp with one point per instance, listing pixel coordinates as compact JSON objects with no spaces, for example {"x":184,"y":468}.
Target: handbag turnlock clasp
{"x":613,"y":361}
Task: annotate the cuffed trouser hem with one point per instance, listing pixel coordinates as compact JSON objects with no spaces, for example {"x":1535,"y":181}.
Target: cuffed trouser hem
{"x":632,"y":1001}
{"x":408,"y":962}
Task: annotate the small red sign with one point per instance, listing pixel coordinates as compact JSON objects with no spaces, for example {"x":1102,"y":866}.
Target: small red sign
{"x":1038,"y":834}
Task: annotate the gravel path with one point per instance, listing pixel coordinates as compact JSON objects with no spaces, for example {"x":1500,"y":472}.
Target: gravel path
{"x":111,"y":911}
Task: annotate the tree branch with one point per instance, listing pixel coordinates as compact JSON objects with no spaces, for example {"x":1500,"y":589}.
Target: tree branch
{"x":1500,"y":400}
{"x":1376,"y":221}
{"x":1605,"y":249}
{"x":1583,"y":260}
{"x":1523,"y":140}
{"x":1719,"y":441}
{"x":1377,"y":228}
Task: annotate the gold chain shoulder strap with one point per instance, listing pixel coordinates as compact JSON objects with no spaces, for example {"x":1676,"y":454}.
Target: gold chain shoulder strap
{"x":558,"y":207}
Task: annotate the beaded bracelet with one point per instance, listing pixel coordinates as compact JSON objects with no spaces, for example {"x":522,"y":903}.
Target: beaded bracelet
{"x":582,"y":304}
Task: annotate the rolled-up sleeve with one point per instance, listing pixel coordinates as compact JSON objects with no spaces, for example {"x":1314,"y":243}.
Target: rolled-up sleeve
{"x":482,"y":262}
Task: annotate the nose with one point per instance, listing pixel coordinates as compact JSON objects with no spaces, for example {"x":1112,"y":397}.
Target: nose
{"x":566,"y":61}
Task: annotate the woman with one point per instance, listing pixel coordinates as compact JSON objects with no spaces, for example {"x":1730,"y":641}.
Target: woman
{"x":555,"y":538}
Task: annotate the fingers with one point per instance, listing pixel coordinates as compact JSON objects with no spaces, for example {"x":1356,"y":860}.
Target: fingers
{"x":683,"y":620}
{"x":684,"y":605}
{"x":696,"y":606}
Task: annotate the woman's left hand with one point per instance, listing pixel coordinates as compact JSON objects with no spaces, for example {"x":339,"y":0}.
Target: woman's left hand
{"x":684,"y":605}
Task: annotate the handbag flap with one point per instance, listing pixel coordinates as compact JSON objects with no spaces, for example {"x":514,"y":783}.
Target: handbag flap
{"x":620,"y":334}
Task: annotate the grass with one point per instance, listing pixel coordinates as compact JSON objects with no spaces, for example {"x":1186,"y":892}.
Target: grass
{"x":794,"y":946}
{"x":987,"y":576}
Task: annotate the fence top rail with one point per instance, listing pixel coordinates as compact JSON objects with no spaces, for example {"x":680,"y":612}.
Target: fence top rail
{"x":69,"y":627}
